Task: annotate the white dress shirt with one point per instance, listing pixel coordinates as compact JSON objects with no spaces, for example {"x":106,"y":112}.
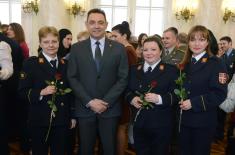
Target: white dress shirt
{"x":5,"y":61}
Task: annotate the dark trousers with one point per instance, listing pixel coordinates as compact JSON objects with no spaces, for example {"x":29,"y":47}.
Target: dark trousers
{"x":152,"y":141}
{"x":56,"y":140}
{"x":221,"y":117}
{"x":196,"y":141}
{"x":3,"y":132}
{"x":90,"y":127}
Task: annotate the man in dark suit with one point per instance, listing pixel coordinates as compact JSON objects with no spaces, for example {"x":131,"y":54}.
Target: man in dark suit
{"x":229,"y":55}
{"x":97,"y":72}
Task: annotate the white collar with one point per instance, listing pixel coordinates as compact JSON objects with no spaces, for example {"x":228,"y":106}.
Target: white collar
{"x":48,"y":58}
{"x":146,"y":65}
{"x":199,"y":56}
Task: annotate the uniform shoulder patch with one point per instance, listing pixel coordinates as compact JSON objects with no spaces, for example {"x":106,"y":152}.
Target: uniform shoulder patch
{"x":223,"y":77}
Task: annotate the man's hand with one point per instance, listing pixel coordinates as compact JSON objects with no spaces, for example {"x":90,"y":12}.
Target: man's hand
{"x":98,"y":106}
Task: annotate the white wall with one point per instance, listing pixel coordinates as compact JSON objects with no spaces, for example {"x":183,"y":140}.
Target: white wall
{"x":53,"y":13}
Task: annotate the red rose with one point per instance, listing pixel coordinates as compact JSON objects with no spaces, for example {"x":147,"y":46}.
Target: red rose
{"x":181,"y":66}
{"x":58,"y":76}
{"x":153,"y":84}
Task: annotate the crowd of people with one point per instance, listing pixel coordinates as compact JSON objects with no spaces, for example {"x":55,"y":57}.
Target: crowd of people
{"x":156,"y":95}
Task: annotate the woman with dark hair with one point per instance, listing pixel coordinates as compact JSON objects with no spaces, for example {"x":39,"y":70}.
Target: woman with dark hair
{"x":150,"y":90}
{"x":121,"y":33}
{"x":207,"y":88}
{"x":139,"y":49}
{"x":65,"y":42}
{"x":16,"y":32}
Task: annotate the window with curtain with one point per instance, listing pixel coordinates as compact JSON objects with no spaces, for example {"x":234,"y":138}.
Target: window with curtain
{"x":10,"y":11}
{"x":144,"y":16}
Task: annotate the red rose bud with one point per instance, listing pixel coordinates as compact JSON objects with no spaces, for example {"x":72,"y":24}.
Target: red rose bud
{"x":58,"y":76}
{"x":181,"y":66}
{"x":153,"y":84}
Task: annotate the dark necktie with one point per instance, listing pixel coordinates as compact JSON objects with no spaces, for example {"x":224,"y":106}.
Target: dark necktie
{"x":149,"y":69}
{"x":97,"y":55}
{"x":166,"y":51}
{"x":53,"y":62}
{"x":193,"y":60}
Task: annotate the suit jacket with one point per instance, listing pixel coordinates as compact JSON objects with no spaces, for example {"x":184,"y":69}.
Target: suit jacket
{"x":36,"y":71}
{"x":87,"y":83}
{"x":165,"y":76}
{"x":230,"y":63}
{"x":174,"y":57}
{"x":206,"y":91}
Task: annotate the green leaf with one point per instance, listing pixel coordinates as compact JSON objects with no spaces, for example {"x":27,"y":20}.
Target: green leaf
{"x":177,"y":92}
{"x":67,"y":90}
{"x":49,"y":102}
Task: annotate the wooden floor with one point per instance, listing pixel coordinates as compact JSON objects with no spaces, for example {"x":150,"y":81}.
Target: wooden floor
{"x":217,"y":149}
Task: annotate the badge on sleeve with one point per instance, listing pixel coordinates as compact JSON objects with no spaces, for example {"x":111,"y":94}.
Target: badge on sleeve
{"x":222,"y":78}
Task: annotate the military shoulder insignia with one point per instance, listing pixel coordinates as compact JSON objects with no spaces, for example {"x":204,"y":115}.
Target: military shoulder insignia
{"x":161,"y":67}
{"x":204,"y":60}
{"x":41,"y":60}
{"x":223,"y":78}
{"x":139,"y":67}
{"x":22,"y":75}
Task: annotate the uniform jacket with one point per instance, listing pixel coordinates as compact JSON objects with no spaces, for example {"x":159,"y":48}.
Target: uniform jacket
{"x":36,"y":71}
{"x":107,"y":84}
{"x":205,"y":91}
{"x":165,"y":76}
{"x":174,"y":57}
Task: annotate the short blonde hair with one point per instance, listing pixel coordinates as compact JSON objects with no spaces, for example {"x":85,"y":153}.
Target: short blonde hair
{"x":45,"y":30}
{"x":83,"y":34}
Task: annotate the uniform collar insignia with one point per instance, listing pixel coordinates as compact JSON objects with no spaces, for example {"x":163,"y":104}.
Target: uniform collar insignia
{"x":204,"y":60}
{"x":62,"y":61}
{"x":139,"y":67}
{"x":161,"y":67}
{"x":41,"y":60}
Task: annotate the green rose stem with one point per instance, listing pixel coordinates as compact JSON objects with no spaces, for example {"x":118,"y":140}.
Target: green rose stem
{"x":53,"y":107}
{"x":145,"y":104}
{"x":181,"y":92}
